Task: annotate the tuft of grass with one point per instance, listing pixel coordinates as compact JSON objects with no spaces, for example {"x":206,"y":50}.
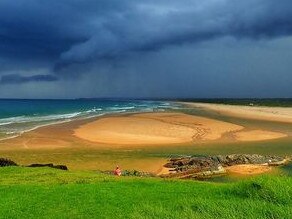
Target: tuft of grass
{"x":266,"y":188}
{"x":50,"y":193}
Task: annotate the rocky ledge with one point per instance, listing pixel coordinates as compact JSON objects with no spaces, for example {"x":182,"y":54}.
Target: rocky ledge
{"x":207,"y":166}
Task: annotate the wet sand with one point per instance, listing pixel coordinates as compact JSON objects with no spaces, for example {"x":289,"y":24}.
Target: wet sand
{"x":248,"y":169}
{"x":258,"y":135}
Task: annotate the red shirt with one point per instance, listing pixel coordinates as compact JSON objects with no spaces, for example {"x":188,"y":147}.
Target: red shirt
{"x":117,"y":172}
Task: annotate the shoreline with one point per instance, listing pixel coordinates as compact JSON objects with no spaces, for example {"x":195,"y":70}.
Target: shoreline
{"x":248,"y":112}
{"x":237,"y":132}
{"x":35,"y":128}
{"x":66,"y":121}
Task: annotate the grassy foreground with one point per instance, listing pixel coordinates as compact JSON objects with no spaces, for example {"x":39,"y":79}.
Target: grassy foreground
{"x":50,"y":193}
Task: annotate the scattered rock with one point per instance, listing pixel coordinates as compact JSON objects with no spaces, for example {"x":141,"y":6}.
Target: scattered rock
{"x":131,"y":173}
{"x":135,"y":173}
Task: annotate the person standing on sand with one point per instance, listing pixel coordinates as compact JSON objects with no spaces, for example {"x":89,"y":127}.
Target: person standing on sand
{"x":118,"y":171}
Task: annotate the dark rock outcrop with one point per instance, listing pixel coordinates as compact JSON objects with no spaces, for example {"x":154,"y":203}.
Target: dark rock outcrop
{"x":6,"y":162}
{"x":236,"y":159}
{"x":60,"y":167}
{"x":207,"y":166}
{"x":194,"y":167}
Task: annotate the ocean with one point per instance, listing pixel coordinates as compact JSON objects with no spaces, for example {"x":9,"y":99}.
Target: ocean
{"x":18,"y":116}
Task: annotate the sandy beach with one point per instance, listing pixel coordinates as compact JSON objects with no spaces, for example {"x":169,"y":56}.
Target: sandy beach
{"x":276,"y":114}
{"x":165,"y":128}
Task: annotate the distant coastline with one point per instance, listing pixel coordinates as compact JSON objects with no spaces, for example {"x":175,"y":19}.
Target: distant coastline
{"x":266,"y":113}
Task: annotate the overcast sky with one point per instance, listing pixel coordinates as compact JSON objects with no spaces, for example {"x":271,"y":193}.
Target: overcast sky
{"x":149,"y":48}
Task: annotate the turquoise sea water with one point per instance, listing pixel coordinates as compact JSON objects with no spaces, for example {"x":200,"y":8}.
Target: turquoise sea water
{"x":18,"y":116}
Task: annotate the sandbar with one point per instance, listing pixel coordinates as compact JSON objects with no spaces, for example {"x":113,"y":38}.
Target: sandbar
{"x":258,"y":135}
{"x":163,"y":129}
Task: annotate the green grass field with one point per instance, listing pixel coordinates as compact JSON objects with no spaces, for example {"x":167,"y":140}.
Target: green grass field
{"x":50,"y":193}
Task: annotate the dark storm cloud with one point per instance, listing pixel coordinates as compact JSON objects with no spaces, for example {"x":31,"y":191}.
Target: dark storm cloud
{"x":80,"y":31}
{"x":18,"y":79}
{"x":152,"y":26}
{"x":86,"y":38}
{"x":36,"y":29}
